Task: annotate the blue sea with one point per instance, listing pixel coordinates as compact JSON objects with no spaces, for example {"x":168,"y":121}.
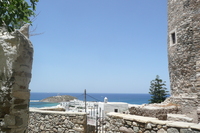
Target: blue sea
{"x":98,"y":97}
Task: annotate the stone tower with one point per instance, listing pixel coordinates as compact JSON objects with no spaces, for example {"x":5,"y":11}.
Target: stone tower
{"x":184,"y":52}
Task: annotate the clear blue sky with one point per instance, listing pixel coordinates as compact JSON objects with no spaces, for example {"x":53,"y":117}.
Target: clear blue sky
{"x":104,"y":46}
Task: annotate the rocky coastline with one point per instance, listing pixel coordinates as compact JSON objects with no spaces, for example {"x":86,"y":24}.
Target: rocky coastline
{"x":58,"y":99}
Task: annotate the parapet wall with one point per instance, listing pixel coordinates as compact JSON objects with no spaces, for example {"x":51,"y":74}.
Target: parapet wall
{"x":56,"y":122}
{"x":70,"y":122}
{"x":123,"y":123}
{"x":159,"y":111}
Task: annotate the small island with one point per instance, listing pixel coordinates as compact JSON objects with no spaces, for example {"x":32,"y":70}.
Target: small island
{"x":58,"y":99}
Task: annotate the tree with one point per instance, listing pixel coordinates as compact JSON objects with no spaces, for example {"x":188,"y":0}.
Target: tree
{"x":158,"y":90}
{"x":16,"y":13}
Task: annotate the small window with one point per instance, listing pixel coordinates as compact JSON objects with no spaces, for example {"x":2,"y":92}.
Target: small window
{"x":116,"y":110}
{"x":173,"y":38}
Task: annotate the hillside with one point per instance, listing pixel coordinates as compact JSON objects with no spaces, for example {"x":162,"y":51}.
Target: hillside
{"x":57,"y":99}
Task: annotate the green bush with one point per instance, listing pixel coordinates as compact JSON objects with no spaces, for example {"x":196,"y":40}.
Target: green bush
{"x":16,"y":13}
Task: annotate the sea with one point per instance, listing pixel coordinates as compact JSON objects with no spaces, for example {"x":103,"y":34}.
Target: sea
{"x":97,"y":97}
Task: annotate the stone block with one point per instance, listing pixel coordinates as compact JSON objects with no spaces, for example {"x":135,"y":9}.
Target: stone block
{"x":179,"y":117}
{"x":79,"y":129}
{"x":19,"y":107}
{"x":134,"y":124}
{"x":22,"y":81}
{"x":186,"y":131}
{"x":129,"y":122}
{"x":180,"y":124}
{"x":21,"y":94}
{"x":148,"y":126}
{"x":136,"y":129}
{"x":126,"y":130}
{"x":19,"y":121}
{"x":9,"y":120}
{"x":195,"y":127}
{"x":161,"y":131}
{"x":172,"y":130}
{"x":19,"y":101}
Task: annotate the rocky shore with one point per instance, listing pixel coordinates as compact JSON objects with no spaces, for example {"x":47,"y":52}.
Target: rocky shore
{"x":57,"y":99}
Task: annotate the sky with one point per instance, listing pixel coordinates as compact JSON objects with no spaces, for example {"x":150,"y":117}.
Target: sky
{"x":103,"y":46}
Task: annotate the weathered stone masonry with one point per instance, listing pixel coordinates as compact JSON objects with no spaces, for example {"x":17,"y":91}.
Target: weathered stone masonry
{"x":184,"y":54}
{"x":123,"y":123}
{"x":16,"y":56}
{"x":154,"y":111}
{"x":56,"y":122}
{"x":71,"y":122}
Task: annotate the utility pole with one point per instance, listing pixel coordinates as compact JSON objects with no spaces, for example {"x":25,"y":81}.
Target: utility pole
{"x":85,"y":109}
{"x":97,"y":119}
{"x":85,"y":101}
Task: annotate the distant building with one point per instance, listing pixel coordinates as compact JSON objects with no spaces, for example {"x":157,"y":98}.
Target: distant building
{"x":106,"y":107}
{"x":94,"y":108}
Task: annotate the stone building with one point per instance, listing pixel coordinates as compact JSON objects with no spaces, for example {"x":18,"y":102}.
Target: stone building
{"x":184,"y":54}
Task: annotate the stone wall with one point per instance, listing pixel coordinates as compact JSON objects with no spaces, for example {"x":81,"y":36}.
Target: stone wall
{"x":184,"y":54}
{"x":16,"y":56}
{"x":56,"y":122}
{"x":123,"y":123}
{"x":159,"y":111}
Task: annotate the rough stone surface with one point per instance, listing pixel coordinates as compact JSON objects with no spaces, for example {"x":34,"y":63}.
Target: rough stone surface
{"x":141,"y":124}
{"x":184,"y":54}
{"x":16,"y":56}
{"x":148,"y":126}
{"x":58,"y":122}
{"x":154,"y":110}
{"x":178,"y":117}
{"x":125,"y":130}
{"x":162,"y":131}
{"x":172,"y":130}
{"x":186,"y":131}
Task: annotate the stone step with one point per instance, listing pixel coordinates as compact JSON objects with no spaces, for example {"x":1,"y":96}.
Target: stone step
{"x":179,"y":117}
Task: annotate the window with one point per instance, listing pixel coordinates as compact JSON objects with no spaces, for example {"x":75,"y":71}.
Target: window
{"x":173,"y":38}
{"x":116,"y":110}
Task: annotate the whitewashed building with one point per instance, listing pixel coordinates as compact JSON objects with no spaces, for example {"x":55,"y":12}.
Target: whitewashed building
{"x":106,"y":107}
{"x":95,"y":109}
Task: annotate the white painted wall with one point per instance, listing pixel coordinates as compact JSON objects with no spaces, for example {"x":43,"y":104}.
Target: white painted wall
{"x":104,"y":108}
